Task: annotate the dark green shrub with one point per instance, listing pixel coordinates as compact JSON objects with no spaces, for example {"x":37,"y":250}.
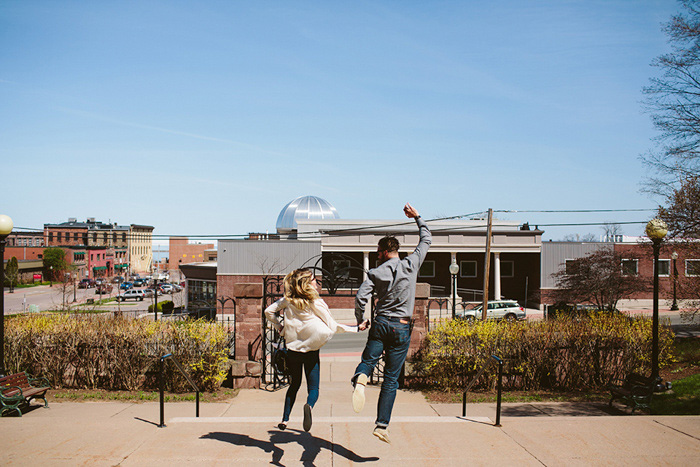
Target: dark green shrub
{"x":166,"y":306}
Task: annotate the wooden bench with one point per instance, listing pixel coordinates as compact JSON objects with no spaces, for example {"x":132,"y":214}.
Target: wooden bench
{"x":635,"y":391}
{"x":19,"y":389}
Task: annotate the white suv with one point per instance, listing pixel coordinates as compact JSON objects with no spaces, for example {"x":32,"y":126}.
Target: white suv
{"x":136,"y":294}
{"x":498,"y":309}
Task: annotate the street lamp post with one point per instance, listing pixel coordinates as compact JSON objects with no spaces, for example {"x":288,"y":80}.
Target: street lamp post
{"x":674,"y":305}
{"x":454,"y":270}
{"x":656,"y":230}
{"x":5,"y":230}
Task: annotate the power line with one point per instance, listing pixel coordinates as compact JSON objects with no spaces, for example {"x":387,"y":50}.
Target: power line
{"x":576,"y":210}
{"x":354,"y":230}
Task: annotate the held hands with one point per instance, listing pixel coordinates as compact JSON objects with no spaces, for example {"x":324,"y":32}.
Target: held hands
{"x":410,"y":211}
{"x":363,"y":325}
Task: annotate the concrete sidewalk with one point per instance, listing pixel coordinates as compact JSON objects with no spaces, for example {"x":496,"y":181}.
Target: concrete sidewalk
{"x":244,"y":432}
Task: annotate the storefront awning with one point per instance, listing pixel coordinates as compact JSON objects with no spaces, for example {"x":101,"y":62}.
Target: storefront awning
{"x":119,"y":266}
{"x":99,"y":268}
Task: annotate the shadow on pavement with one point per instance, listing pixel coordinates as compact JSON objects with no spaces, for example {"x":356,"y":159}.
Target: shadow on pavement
{"x":312,"y":445}
{"x":560,"y":409}
{"x":146,"y":421}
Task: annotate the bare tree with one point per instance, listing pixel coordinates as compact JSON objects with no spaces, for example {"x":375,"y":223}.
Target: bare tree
{"x":610,"y":231}
{"x":597,"y":278}
{"x":674,"y":103}
{"x":589,"y":237}
{"x":273,"y":266}
{"x":682,"y":215}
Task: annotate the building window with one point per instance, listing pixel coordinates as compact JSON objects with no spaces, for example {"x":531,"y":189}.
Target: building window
{"x":467,"y":269}
{"x":124,"y":238}
{"x":629,"y":267}
{"x":507,"y":269}
{"x":569,"y":266}
{"x":664,"y":267}
{"x":692,"y":267}
{"x":427,"y":269}
{"x":50,"y":236}
{"x":94,"y":237}
{"x":75,"y":236}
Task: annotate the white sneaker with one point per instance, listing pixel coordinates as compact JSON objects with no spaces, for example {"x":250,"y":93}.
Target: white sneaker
{"x":358,"y":395}
{"x":382,"y":434}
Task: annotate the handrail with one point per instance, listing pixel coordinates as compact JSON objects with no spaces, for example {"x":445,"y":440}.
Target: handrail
{"x":161,"y":382}
{"x":492,"y":358}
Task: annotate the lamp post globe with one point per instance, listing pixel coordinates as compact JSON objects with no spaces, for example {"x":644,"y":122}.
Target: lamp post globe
{"x":5,"y":225}
{"x":454,"y":270}
{"x":656,"y":230}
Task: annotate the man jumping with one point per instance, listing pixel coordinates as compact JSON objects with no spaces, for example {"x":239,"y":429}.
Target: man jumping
{"x":394,"y":283}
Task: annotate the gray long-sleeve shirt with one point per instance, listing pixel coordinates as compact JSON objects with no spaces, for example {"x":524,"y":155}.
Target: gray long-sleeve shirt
{"x":394,"y":281}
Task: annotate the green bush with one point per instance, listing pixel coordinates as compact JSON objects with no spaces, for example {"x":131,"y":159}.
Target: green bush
{"x":113,"y":353}
{"x":166,"y":306}
{"x":566,"y":354}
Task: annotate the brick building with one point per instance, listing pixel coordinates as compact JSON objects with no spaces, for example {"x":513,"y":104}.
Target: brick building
{"x":638,"y":260}
{"x":182,"y":251}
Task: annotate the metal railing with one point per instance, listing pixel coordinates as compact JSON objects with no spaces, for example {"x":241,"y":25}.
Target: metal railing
{"x":492,"y":358}
{"x":161,"y":383}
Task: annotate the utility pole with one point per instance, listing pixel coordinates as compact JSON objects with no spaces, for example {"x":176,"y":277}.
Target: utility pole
{"x":487,"y":265}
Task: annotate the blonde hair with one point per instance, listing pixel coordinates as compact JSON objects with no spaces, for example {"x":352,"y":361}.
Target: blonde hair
{"x":298,"y":289}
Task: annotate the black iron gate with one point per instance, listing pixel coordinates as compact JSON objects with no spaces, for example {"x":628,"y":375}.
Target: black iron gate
{"x":273,"y":289}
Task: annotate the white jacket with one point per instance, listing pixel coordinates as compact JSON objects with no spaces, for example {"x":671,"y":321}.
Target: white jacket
{"x":304,"y":330}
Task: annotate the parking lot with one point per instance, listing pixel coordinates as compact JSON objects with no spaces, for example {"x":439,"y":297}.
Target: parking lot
{"x":54,"y":297}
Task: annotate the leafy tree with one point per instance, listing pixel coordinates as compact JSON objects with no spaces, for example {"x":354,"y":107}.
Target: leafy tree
{"x":12,"y":272}
{"x":597,"y":278}
{"x":682,"y":215}
{"x":55,"y":264}
{"x":674,"y":102}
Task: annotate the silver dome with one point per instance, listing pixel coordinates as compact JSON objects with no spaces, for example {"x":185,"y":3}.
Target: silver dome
{"x":304,"y":207}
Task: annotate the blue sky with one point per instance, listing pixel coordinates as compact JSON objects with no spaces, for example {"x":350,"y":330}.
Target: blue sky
{"x":208,"y":117}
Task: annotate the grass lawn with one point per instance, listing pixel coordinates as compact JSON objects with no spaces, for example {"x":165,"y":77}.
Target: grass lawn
{"x":86,"y":395}
{"x":683,"y":399}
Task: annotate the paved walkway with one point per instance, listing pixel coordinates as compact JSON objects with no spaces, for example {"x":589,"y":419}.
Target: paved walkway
{"x":244,"y":432}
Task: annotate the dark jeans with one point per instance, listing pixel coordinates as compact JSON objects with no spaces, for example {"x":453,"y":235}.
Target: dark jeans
{"x":393,"y":338}
{"x":312,"y":369}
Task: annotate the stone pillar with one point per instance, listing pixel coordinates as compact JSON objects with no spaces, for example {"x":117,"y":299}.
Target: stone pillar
{"x":246,"y":369}
{"x":420,"y":318}
{"x":248,"y":321}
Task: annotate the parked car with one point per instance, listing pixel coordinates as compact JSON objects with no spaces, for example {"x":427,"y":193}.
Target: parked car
{"x":126,"y":286}
{"x":103,"y":288}
{"x":148,"y":292}
{"x":118,"y":279}
{"x":176,"y":287}
{"x":497,"y":309}
{"x":86,"y":284}
{"x":135,"y":294}
{"x":139,"y":283}
{"x":166,"y":288}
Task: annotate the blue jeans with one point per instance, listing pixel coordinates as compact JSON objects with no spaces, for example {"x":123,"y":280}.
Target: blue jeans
{"x":312,"y":369}
{"x":392,"y":337}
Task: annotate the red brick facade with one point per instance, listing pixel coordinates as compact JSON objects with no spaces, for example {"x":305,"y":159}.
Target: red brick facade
{"x":182,"y":252}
